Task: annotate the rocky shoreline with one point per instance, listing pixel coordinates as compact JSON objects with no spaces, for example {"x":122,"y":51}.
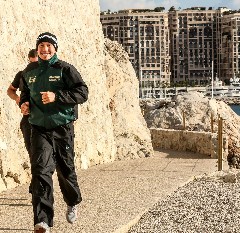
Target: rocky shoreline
{"x":163,"y":102}
{"x":230,"y":100}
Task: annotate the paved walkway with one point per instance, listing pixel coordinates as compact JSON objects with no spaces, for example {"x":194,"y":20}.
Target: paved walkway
{"x":115,"y":195}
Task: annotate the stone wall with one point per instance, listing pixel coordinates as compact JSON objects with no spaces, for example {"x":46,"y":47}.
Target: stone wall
{"x":100,"y":135}
{"x":181,"y":140}
{"x":193,"y":111}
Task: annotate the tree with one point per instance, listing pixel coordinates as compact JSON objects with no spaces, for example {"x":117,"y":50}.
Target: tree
{"x":172,"y":8}
{"x":159,"y":9}
{"x":165,"y":84}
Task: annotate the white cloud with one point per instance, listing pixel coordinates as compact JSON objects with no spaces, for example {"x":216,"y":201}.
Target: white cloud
{"x":115,"y":5}
{"x":169,"y":3}
{"x":231,"y":4}
{"x":236,"y":4}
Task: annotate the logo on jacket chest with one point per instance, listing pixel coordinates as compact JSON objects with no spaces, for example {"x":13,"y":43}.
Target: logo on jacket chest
{"x":32,"y":79}
{"x":54,"y":78}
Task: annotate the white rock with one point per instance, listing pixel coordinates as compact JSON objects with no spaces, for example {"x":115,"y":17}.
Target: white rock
{"x":104,"y":67}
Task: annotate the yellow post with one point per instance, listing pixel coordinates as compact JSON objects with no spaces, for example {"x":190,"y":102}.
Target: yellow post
{"x":184,"y":126}
{"x":220,"y":143}
{"x":211,"y":122}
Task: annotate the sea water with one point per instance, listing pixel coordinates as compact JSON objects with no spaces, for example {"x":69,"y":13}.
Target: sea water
{"x":235,"y":108}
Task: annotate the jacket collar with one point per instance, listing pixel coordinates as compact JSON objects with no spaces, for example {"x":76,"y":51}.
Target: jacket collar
{"x":49,"y":62}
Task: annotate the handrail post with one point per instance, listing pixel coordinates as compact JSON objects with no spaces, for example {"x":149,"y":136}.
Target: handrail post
{"x":184,"y":123}
{"x":211,"y":122}
{"x":220,"y":143}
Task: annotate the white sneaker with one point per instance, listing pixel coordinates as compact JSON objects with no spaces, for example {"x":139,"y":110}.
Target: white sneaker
{"x":41,"y":227}
{"x":71,"y":214}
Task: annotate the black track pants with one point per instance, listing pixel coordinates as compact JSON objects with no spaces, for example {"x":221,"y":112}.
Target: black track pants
{"x":52,"y":149}
{"x":26,"y":132}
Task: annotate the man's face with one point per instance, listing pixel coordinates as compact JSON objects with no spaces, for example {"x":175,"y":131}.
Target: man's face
{"x":46,"y":50}
{"x":33,"y":59}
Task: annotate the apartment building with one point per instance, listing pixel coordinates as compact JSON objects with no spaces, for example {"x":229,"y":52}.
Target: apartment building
{"x":145,"y":36}
{"x":229,"y":51}
{"x":192,"y":45}
{"x":187,"y":47}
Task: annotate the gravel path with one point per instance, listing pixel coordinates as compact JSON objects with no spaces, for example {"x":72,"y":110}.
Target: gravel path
{"x":208,"y":204}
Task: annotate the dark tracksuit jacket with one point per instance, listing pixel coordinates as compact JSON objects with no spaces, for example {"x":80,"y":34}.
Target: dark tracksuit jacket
{"x":52,"y":138}
{"x":24,"y":124}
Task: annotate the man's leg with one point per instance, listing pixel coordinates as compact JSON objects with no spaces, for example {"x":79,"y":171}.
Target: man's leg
{"x":64,"y":155}
{"x":26,"y":132}
{"x":43,"y":166}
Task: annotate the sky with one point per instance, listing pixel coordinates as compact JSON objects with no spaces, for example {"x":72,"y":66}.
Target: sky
{"x":115,"y":5}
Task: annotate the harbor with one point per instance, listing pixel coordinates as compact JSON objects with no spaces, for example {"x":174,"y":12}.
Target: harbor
{"x":230,"y":94}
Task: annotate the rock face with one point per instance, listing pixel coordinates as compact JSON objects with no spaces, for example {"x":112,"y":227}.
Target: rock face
{"x":195,"y":111}
{"x":110,"y":124}
{"x":129,"y":125}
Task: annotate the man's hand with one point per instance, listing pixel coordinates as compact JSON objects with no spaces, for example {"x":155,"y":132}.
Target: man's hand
{"x":25,"y":108}
{"x":48,"y":97}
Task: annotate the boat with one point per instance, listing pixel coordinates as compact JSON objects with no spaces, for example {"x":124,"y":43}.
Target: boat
{"x":217,"y":89}
{"x":234,"y":88}
{"x":235,"y":82}
{"x":232,"y":92}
